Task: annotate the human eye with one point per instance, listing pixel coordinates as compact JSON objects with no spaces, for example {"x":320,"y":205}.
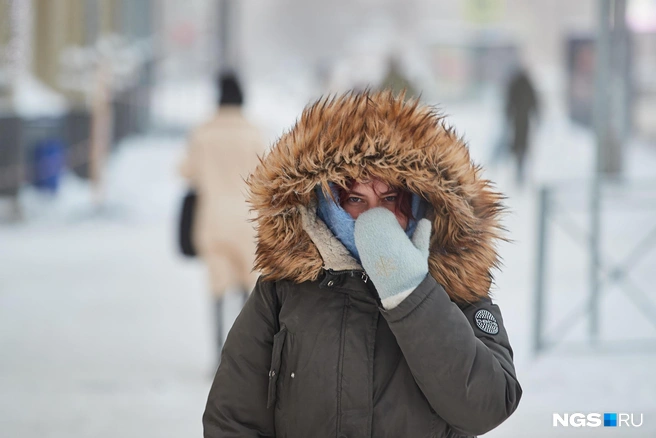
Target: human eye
{"x":353,"y":199}
{"x":391,"y":198}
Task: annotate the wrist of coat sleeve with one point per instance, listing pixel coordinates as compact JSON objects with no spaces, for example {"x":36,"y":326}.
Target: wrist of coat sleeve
{"x":394,"y":300}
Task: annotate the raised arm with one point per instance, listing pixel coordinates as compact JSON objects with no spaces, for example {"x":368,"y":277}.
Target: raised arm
{"x":460,"y":357}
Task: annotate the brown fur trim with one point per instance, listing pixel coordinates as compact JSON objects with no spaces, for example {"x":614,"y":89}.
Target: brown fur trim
{"x":365,"y":135}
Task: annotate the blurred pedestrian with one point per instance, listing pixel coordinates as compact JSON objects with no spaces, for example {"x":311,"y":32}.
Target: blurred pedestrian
{"x":220,"y":155}
{"x":397,"y":81}
{"x":372,"y":317}
{"x":521,"y":106}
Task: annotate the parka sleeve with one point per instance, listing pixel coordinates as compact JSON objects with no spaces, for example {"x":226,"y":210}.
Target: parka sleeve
{"x":237,"y":402}
{"x":460,"y":357}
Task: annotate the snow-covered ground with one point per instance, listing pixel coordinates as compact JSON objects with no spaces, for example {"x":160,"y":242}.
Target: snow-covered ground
{"x":105,"y":331}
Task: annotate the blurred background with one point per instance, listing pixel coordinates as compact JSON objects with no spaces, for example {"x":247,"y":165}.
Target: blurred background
{"x":106,"y":329}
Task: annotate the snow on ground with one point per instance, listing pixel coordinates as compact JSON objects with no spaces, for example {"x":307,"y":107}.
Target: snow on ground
{"x":106,"y":331}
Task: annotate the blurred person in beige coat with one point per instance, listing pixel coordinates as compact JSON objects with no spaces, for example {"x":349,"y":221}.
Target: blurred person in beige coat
{"x":220,"y":155}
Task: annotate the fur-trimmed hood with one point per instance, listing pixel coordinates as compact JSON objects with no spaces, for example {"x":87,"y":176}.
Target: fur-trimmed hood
{"x":374,"y":135}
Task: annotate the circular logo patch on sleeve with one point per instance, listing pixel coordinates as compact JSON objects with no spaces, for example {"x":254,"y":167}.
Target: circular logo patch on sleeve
{"x":486,"y":322}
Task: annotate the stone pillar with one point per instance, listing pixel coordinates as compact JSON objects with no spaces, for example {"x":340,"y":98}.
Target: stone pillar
{"x":58,"y":24}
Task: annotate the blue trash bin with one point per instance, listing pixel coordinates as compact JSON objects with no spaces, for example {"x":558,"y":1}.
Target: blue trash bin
{"x":48,"y":164}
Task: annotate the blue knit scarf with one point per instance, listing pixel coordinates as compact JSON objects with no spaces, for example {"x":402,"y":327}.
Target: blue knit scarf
{"x":342,"y":224}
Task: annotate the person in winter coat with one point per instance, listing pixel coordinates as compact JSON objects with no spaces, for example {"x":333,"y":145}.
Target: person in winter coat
{"x":372,"y":317}
{"x":220,"y":155}
{"x":521,"y":104}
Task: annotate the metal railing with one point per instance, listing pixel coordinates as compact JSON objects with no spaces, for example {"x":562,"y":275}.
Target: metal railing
{"x":610,"y":271}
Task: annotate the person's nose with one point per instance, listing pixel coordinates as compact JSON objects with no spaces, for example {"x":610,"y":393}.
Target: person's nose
{"x":373,"y":203}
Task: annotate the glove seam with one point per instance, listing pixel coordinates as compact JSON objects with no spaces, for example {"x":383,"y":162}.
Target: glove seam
{"x":395,"y":300}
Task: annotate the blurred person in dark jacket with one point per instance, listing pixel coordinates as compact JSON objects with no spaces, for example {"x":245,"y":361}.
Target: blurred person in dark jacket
{"x":521,"y":106}
{"x":372,"y":317}
{"x":220,"y":155}
{"x":396,"y":81}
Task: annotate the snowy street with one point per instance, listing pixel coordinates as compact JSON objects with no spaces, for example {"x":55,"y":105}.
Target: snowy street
{"x":106,"y":332}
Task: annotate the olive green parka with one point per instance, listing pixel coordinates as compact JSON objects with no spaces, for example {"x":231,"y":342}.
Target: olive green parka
{"x":314,"y":353}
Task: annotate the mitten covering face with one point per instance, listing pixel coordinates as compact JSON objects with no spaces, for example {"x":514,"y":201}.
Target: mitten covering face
{"x":394,"y":263}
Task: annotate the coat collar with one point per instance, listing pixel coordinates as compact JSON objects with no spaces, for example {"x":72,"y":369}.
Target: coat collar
{"x":334,"y":254}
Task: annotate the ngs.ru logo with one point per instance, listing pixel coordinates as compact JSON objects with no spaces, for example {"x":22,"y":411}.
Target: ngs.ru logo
{"x":610,"y":419}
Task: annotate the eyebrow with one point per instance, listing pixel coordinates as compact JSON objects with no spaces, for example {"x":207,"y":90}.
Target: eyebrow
{"x":389,"y":192}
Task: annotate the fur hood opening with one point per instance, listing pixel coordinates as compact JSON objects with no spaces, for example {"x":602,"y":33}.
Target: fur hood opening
{"x":405,"y":144}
